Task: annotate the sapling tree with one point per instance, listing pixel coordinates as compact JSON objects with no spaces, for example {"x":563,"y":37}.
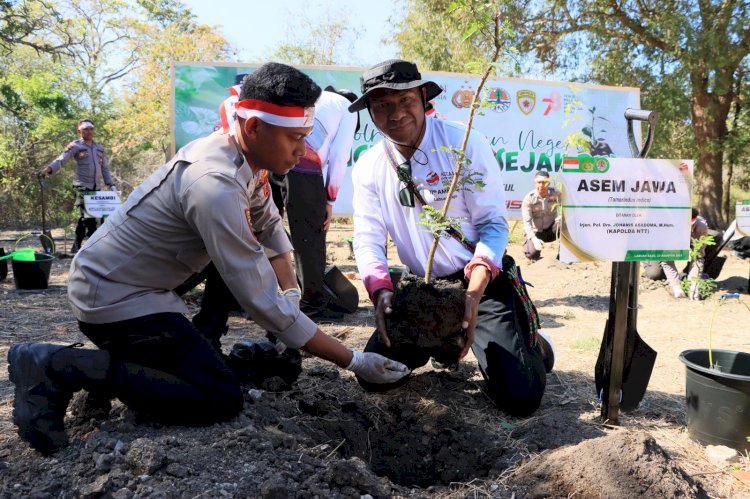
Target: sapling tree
{"x":487,"y":22}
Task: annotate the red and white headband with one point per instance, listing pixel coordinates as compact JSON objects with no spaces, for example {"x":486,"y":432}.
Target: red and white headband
{"x":273,"y":114}
{"x":226,"y":110}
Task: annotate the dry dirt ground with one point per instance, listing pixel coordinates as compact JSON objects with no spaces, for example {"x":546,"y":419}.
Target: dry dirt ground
{"x":438,"y":436}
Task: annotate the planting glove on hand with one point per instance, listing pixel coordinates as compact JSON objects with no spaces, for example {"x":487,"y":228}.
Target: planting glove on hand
{"x":292,"y":293}
{"x":113,"y":188}
{"x":383,"y":306}
{"x":374,"y":368}
{"x":537,"y":243}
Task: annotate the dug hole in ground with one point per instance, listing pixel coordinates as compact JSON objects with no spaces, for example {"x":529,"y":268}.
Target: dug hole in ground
{"x":438,"y":436}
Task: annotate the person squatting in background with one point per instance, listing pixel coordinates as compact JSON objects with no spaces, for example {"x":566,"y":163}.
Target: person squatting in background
{"x":657,"y":271}
{"x":541,"y":223}
{"x":91,"y":174}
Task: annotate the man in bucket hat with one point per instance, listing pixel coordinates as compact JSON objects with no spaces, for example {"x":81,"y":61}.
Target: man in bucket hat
{"x":208,"y":203}
{"x":392,"y":181}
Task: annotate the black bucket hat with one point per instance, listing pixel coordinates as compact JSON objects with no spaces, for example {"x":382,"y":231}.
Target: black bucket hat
{"x":396,"y":74}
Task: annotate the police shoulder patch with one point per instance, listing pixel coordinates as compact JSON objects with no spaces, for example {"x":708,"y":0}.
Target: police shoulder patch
{"x":249,"y":219}
{"x":263,"y":177}
{"x":70,"y":146}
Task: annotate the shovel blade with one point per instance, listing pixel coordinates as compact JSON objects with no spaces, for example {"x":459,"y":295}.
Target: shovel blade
{"x":47,"y":243}
{"x":637,"y":374}
{"x":344,"y":295}
{"x":638,"y":366}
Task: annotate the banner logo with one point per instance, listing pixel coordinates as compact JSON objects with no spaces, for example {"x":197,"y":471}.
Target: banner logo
{"x":526,"y":101}
{"x":554,"y":102}
{"x":432,"y":177}
{"x":585,"y":163}
{"x":499,"y":99}
{"x":463,"y":97}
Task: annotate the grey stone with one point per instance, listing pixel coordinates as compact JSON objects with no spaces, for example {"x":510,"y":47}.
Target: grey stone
{"x":255,"y":394}
{"x":177,"y":470}
{"x":123,"y":493}
{"x":355,"y":473}
{"x":104,"y":462}
{"x":721,"y":454}
{"x":145,"y":456}
{"x":275,"y":488}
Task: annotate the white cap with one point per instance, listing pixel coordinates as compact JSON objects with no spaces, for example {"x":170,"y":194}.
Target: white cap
{"x":85,"y":124}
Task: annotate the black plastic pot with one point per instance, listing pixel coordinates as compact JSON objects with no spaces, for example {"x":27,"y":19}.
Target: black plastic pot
{"x":718,"y":399}
{"x":33,"y":274}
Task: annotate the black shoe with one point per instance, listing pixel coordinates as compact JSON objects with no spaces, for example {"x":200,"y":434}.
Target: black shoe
{"x":326,"y":314}
{"x":40,"y":403}
{"x":254,"y":362}
{"x":321,"y":313}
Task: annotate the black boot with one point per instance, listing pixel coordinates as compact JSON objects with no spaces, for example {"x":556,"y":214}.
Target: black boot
{"x":254,"y":362}
{"x":46,"y":376}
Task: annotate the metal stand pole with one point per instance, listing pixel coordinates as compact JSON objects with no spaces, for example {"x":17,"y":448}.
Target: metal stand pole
{"x":624,"y":295}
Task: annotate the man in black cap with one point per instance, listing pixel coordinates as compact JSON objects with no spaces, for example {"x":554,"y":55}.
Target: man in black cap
{"x":392,"y":181}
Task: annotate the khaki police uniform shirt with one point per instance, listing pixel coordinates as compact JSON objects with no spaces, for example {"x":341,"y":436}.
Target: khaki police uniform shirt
{"x":91,"y":162}
{"x":195,"y":209}
{"x":539,"y":213}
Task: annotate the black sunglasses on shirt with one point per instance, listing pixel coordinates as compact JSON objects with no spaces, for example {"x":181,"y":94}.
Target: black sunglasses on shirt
{"x":405,"y":195}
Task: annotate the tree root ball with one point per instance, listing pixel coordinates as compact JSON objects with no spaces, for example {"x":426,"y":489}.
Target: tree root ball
{"x":428,"y":316}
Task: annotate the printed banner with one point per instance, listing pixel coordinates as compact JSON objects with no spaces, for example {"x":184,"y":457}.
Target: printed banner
{"x":526,"y":122}
{"x":743,"y":216}
{"x":100,"y":204}
{"x":623,"y":210}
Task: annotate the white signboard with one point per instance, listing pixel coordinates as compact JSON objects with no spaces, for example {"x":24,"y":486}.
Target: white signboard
{"x":743,"y":217}
{"x":100,"y":204}
{"x":624,"y":210}
{"x":525,"y":121}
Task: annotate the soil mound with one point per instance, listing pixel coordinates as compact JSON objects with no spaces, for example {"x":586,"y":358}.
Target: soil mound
{"x":620,"y":465}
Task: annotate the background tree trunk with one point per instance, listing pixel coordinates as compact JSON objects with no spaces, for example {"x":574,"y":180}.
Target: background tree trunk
{"x":710,"y":111}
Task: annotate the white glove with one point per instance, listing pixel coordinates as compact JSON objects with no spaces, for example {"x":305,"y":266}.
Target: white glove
{"x":537,"y":243}
{"x":374,"y":368}
{"x":293,"y":294}
{"x":113,"y":188}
